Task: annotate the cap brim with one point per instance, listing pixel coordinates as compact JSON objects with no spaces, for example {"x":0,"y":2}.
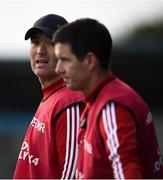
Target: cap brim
{"x":33,"y":30}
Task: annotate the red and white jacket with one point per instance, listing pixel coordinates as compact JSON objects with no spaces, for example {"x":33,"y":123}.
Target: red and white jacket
{"x":117,"y":138}
{"x":49,"y":150}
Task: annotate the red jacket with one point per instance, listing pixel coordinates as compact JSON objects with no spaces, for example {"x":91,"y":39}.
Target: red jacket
{"x":49,"y":149}
{"x":117,"y":138}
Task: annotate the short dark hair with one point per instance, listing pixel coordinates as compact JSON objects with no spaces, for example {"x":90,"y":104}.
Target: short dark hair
{"x":86,"y":35}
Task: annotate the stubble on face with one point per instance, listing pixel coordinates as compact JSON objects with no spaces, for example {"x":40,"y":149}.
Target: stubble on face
{"x":73,"y":71}
{"x":43,"y":60}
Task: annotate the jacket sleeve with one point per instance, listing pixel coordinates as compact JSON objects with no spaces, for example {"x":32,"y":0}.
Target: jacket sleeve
{"x":118,"y":132}
{"x":66,"y":140}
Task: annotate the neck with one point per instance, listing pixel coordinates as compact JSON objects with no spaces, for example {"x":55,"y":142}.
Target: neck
{"x":95,"y":78}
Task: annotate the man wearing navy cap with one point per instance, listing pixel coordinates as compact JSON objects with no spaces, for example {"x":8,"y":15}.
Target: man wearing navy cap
{"x":49,"y":148}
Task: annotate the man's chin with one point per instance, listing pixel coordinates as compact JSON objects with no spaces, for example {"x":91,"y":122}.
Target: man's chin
{"x":71,"y":87}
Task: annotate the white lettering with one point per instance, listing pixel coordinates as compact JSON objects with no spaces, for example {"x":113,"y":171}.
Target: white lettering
{"x":24,"y":155}
{"x":157,"y":166}
{"x":149,"y":118}
{"x":42,"y":127}
{"x":35,"y":161}
{"x":29,"y":158}
{"x":39,"y":126}
{"x":79,"y":174}
{"x":20,"y":155}
{"x":87,"y":146}
{"x":25,"y":146}
{"x":158,"y":163}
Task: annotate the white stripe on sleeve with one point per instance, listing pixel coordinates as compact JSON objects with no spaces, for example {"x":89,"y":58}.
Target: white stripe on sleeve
{"x":110,"y":126}
{"x":73,"y":115}
{"x":67,"y":143}
{"x":72,"y":143}
{"x":76,"y":152}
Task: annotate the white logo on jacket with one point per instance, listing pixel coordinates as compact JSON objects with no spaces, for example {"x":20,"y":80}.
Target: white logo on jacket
{"x":149,"y":118}
{"x":87,"y":146}
{"x":158,"y":163}
{"x":24,"y":155}
{"x":79,"y":174}
{"x":39,"y":126}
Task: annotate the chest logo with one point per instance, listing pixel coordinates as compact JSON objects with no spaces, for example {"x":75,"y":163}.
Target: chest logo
{"x":87,"y":146}
{"x":25,"y":155}
{"x":39,"y":126}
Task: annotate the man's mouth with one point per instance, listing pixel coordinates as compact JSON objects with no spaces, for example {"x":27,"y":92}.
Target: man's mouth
{"x":65,"y":79}
{"x":41,"y":61}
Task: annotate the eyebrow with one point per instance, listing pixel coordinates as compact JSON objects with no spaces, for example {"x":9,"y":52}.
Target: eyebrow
{"x":36,"y":35}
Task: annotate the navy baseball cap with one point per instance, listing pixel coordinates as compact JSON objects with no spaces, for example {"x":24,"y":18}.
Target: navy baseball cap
{"x":47,"y":24}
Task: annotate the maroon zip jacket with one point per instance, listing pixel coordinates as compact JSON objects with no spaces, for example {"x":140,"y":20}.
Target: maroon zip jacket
{"x":117,"y":138}
{"x":49,"y":150}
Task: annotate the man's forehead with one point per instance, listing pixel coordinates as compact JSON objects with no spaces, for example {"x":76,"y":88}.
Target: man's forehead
{"x":63,"y":51}
{"x":65,"y":46}
{"x":37,"y":34}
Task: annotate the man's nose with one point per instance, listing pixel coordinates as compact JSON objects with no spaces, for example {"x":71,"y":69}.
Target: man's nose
{"x":42,"y":49}
{"x":59,"y":68}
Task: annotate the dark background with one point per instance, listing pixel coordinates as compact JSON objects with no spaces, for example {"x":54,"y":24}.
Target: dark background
{"x":137,"y":59}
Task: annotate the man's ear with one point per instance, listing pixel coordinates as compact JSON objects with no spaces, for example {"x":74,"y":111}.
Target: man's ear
{"x":91,"y":60}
